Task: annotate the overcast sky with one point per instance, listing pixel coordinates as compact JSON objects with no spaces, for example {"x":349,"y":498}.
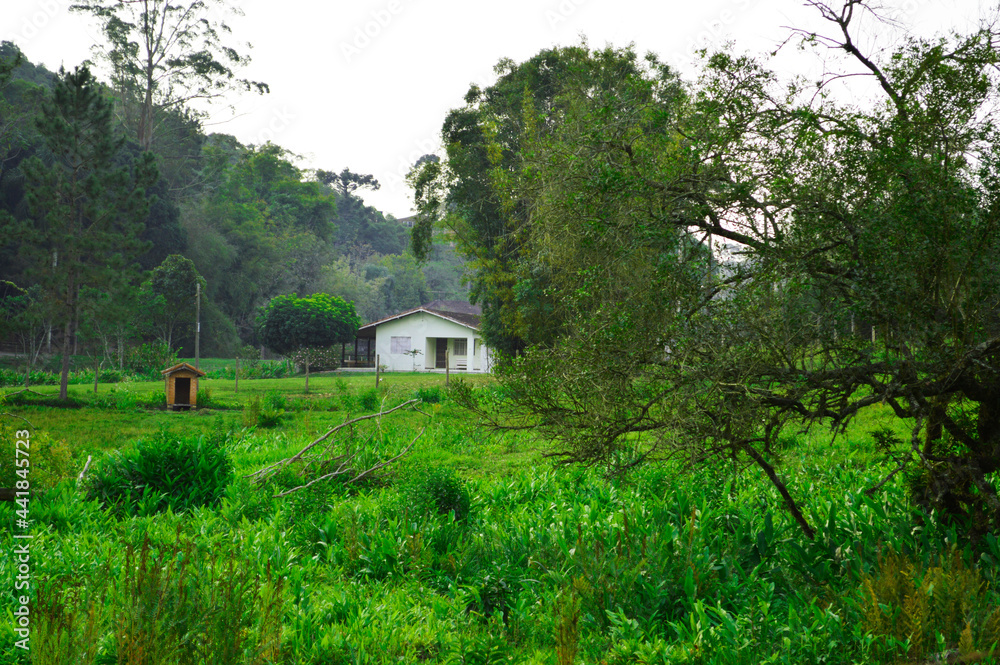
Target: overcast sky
{"x":366,"y":84}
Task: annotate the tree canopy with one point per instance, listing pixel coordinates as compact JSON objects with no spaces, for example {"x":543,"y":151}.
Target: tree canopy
{"x":308,"y":327}
{"x":163,"y":55}
{"x":86,"y":211}
{"x":733,"y":258}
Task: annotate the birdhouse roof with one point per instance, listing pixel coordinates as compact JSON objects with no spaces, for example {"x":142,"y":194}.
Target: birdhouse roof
{"x":180,"y":367}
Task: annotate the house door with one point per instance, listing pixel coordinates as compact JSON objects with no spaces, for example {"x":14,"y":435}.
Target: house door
{"x":182,"y":391}
{"x":440,"y":357}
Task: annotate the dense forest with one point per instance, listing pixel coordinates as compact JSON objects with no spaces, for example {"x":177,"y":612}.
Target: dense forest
{"x":248,"y":221}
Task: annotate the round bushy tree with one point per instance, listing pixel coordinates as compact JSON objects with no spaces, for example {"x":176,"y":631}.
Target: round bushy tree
{"x":307,"y":328}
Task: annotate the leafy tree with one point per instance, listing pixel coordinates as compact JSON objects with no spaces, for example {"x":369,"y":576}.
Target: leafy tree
{"x":403,"y":283}
{"x":474,"y":194}
{"x":163,"y":55}
{"x":176,"y":281}
{"x":708,"y":255}
{"x":359,"y":224}
{"x":19,"y":103}
{"x":86,"y":213}
{"x":308,"y":327}
{"x":262,"y":230}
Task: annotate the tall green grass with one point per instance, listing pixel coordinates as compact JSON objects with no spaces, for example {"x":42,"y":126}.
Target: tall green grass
{"x":475,"y":549}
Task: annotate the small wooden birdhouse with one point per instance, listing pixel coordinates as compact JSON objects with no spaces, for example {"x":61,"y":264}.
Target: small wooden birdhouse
{"x":182,"y":386}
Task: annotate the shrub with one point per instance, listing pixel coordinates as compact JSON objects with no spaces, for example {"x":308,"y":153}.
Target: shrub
{"x":162,"y":471}
{"x":154,"y":400}
{"x":431,"y":395}
{"x":369,"y":400}
{"x":263,"y":413}
{"x":205,"y":398}
{"x":275,"y":400}
{"x":439,"y":490}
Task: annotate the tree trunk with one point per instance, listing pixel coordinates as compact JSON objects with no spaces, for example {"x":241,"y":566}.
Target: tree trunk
{"x":64,"y":378}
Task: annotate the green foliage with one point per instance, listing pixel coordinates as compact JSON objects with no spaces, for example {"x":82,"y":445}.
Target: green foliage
{"x":676,"y":272}
{"x":150,"y":359}
{"x":118,"y":399}
{"x":439,"y":490}
{"x":432,"y":395}
{"x":665,"y":565}
{"x":162,"y":605}
{"x":87,"y":208}
{"x":151,"y":74}
{"x":290,"y":323}
{"x":175,"y":281}
{"x":161,"y":472}
{"x":50,"y":458}
{"x":369,"y":400}
{"x":266,"y":412}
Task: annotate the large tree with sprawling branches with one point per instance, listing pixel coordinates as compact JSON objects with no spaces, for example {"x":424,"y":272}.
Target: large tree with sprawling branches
{"x":753,"y":256}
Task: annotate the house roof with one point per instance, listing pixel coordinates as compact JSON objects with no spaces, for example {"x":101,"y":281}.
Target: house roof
{"x":461,"y":318}
{"x":182,"y":366}
{"x":456,"y":306}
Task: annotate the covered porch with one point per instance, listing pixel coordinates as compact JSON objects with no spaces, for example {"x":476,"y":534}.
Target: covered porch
{"x":459,"y":354}
{"x":361,"y":354}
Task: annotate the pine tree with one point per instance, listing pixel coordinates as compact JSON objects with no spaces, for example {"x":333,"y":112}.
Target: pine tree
{"x":87,"y":209}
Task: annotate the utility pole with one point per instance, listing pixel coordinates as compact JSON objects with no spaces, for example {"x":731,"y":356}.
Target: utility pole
{"x":197,"y":323}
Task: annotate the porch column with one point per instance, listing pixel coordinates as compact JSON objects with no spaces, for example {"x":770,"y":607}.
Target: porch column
{"x":470,"y":345}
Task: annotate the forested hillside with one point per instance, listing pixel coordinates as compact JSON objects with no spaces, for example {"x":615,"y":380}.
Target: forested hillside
{"x":251,"y":220}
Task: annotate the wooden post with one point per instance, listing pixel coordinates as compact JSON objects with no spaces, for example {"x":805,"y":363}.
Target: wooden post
{"x":236,"y":389}
{"x":197,"y":322}
{"x":377,"y":368}
{"x":447,"y":368}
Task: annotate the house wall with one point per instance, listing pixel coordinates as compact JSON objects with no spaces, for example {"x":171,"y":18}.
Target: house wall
{"x":423,"y":329}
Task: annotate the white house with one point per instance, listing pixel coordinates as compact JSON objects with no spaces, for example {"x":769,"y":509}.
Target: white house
{"x":427,"y":337}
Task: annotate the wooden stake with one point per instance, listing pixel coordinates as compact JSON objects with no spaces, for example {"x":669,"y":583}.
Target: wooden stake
{"x":447,"y":369}
{"x":376,"y":369}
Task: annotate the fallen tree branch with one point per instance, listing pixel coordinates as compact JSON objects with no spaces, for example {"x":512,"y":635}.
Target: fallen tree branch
{"x":262,"y":475}
{"x":25,"y":390}
{"x":342,"y":469}
{"x":388,"y":461}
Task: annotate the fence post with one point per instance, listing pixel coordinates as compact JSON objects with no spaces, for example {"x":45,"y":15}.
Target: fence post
{"x":377,"y":368}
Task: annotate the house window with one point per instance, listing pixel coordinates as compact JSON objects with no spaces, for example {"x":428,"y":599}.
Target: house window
{"x":461,"y":347}
{"x":400,"y":345}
